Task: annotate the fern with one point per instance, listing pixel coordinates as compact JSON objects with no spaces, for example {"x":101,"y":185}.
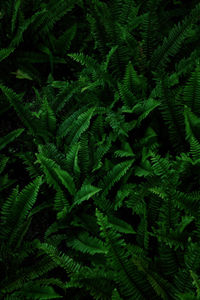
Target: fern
{"x":4,"y":141}
{"x":191,"y":91}
{"x":13,"y":219}
{"x":172,"y":44}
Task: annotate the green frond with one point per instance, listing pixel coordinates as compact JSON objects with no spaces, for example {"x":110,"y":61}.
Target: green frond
{"x":128,"y":98}
{"x":33,"y":290}
{"x":25,"y":275}
{"x":66,"y":179}
{"x":72,"y":161}
{"x":161,"y":286}
{"x":28,"y":159}
{"x":22,"y":111}
{"x":192,"y":124}
{"x":172,"y":113}
{"x":172,"y":43}
{"x":72,"y":121}
{"x":61,"y":259}
{"x":81,"y":125}
{"x":50,"y":281}
{"x":55,"y":175}
{"x":49,"y":150}
{"x":98,"y":282}
{"x":60,"y":201}
{"x":167,"y":260}
{"x":66,"y":91}
{"x":3,"y":162}
{"x":108,"y":58}
{"x":187,"y":296}
{"x":114,"y":175}
{"x":102,"y":149}
{"x":192,"y":257}
{"x":115,"y":295}
{"x":191,"y":91}
{"x":48,"y":167}
{"x":4,"y":53}
{"x":96,"y":21}
{"x":120,"y":225}
{"x":85,"y":193}
{"x":13,"y":223}
{"x":117,"y":122}
{"x":149,"y":25}
{"x":7,"y":213}
{"x":131,"y":283}
{"x":84,"y":154}
{"x":147,"y":107}
{"x":48,"y":119}
{"x":195,"y":148}
{"x":196,"y":282}
{"x":122,"y":193}
{"x":23,"y":27}
{"x":87,"y":244}
{"x":53,"y":12}
{"x":161,"y":166}
{"x":4,"y":141}
{"x":85,"y":60}
{"x":14,"y":15}
{"x":64,"y":41}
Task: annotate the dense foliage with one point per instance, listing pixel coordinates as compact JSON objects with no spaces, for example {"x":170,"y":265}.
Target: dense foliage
{"x":100,"y":149}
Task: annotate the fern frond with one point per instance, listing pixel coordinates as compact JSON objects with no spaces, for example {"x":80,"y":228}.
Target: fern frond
{"x":81,"y":125}
{"x":48,"y":119}
{"x":172,"y":43}
{"x":192,"y":124}
{"x":85,"y":193}
{"x":191,"y":91}
{"x":66,"y":180}
{"x":54,"y":11}
{"x":3,"y":162}
{"x":4,"y":141}
{"x":67,"y":125}
{"x":23,"y":27}
{"x":36,"y":291}
{"x":87,"y":244}
{"x":22,"y":111}
{"x":14,"y":16}
{"x":127,"y":278}
{"x":61,"y":259}
{"x":4,"y":53}
{"x":114,"y":176}
{"x":22,"y":203}
{"x":64,"y":41}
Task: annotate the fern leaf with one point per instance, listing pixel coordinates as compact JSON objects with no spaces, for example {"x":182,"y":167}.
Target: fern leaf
{"x":23,"y":27}
{"x":87,"y":244}
{"x":120,"y":225}
{"x":14,"y":16}
{"x":191,"y":92}
{"x":4,"y":141}
{"x":115,"y":175}
{"x":172,"y":44}
{"x":21,"y":207}
{"x":61,"y":259}
{"x":131,"y":283}
{"x":36,"y":291}
{"x":3,"y":163}
{"x":24,"y":114}
{"x":82,"y":124}
{"x":85,"y":193}
{"x":192,"y":124}
{"x":66,"y":180}
{"x":5,"y":53}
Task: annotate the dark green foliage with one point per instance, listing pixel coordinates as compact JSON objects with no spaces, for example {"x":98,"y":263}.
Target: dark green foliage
{"x":99,"y":150}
